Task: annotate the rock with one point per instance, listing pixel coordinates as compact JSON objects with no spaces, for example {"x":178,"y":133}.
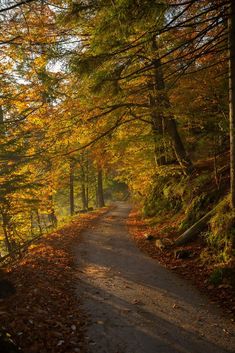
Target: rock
{"x":183,"y":254}
{"x":148,"y":236}
{"x":159,"y":244}
{"x":225,"y":286}
{"x":60,"y":343}
{"x":175,"y":306}
{"x":7,"y":345}
{"x":6,"y":289}
{"x":163,"y":243}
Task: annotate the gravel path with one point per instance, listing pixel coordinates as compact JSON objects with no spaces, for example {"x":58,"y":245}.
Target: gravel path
{"x":135,"y":305}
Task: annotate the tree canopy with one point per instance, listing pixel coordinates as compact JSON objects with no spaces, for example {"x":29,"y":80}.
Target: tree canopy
{"x":100,"y":93}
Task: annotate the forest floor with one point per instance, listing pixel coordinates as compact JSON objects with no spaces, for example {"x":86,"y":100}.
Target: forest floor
{"x":195,"y":268}
{"x":87,"y":288}
{"x":44,"y":315}
{"x":135,"y":305}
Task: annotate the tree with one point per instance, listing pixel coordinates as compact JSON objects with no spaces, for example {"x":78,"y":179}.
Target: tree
{"x":231,"y":28}
{"x":100,"y":192}
{"x":71,"y":187}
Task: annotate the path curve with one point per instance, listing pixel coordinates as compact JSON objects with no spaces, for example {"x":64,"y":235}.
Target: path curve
{"x":135,"y":305}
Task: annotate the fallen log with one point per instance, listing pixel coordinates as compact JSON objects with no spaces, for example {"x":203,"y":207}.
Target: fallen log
{"x":194,"y":230}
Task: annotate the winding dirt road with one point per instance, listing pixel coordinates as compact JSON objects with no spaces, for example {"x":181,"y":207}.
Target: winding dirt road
{"x":134,"y":305}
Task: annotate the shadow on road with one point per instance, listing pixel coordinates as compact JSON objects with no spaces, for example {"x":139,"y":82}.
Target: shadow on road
{"x":137,"y":306}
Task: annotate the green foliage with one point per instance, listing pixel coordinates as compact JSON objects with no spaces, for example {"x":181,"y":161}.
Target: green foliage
{"x":163,"y":196}
{"x":221,"y":237}
{"x":194,"y":211}
{"x":216,"y":276}
{"x":197,"y":196}
{"x":221,"y":274}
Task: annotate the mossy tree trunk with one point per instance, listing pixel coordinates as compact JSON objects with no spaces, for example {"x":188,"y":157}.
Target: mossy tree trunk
{"x":231,"y":42}
{"x":162,"y":102}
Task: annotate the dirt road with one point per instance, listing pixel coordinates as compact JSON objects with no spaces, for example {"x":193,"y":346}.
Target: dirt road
{"x":134,"y":305}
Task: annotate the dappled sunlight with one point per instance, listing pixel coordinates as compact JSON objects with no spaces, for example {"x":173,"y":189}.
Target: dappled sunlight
{"x":105,"y":106}
{"x":124,"y":290}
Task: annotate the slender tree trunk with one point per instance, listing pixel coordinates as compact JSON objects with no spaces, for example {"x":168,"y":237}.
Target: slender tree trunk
{"x":158,"y":133}
{"x":178,"y":145}
{"x":83,"y":185}
{"x":45,"y":224}
{"x":231,"y":28}
{"x":52,"y":216}
{"x":87,"y":181}
{"x":162,"y":102}
{"x":156,"y":114}
{"x":100,"y":192}
{"x":87,"y":196}
{"x":71,"y":188}
{"x":83,"y":196}
{"x":31,"y":224}
{"x":39,"y":222}
{"x":5,"y":231}
{"x":1,"y":119}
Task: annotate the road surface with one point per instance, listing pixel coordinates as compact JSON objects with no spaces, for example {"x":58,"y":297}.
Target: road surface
{"x":134,"y":305}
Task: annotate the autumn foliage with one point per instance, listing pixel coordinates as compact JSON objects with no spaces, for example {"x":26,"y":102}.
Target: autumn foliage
{"x":47,"y":314}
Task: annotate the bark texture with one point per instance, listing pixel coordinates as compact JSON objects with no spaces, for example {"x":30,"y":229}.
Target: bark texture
{"x":71,"y":188}
{"x":162,"y":102}
{"x":194,"y":230}
{"x":231,"y":28}
{"x":100,"y":192}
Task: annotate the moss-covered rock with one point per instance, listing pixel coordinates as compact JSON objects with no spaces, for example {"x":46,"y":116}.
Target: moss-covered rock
{"x":221,"y":237}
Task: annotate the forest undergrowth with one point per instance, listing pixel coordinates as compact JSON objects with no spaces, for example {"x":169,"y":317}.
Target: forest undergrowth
{"x":175,"y":205}
{"x":193,"y":268}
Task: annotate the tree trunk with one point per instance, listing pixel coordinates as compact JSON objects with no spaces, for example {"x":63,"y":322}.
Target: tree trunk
{"x":178,"y":145}
{"x":53,"y":219}
{"x":194,"y":230}
{"x":83,"y":197}
{"x":162,"y":102}
{"x":39,"y":222}
{"x":71,"y":188}
{"x":156,"y":113}
{"x":52,"y":216}
{"x":5,"y":231}
{"x":31,"y":224}
{"x":100,"y":193}
{"x":158,"y":133}
{"x":231,"y":28}
{"x":1,"y":119}
{"x":87,"y":181}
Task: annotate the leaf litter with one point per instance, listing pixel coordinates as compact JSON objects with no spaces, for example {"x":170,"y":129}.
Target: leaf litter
{"x":45,"y":316}
{"x":191,"y":268}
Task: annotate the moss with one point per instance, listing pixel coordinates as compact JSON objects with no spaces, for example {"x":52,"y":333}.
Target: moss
{"x":198,"y":207}
{"x":162,"y":197}
{"x":194,"y":211}
{"x":222,"y":232}
{"x":216,"y":277}
{"x":222,"y":274}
